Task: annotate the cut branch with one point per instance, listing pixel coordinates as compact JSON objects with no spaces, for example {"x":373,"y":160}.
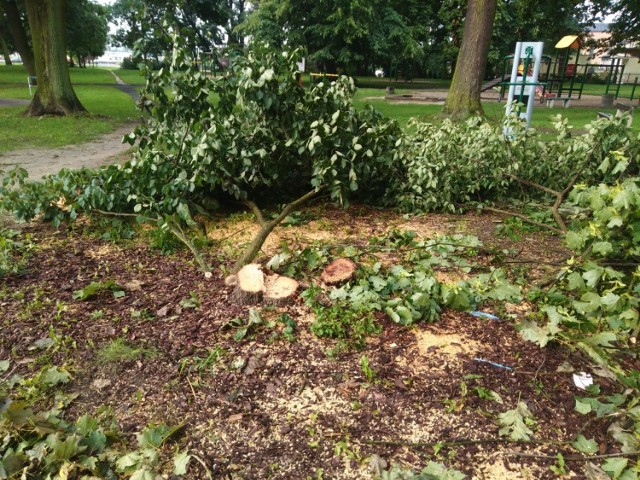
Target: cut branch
{"x":462,"y":441}
{"x":174,"y":229}
{"x":251,"y":252}
{"x":526,"y":219}
{"x":256,"y":211}
{"x":560,"y":196}
{"x":534,"y":185}
{"x":571,"y":458}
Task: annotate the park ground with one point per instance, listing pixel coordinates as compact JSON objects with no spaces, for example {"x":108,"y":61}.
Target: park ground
{"x":159,"y":343}
{"x":277,"y":403}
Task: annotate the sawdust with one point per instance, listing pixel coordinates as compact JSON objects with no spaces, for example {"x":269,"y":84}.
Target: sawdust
{"x":103,"y":251}
{"x":449,"y":344}
{"x":496,"y":469}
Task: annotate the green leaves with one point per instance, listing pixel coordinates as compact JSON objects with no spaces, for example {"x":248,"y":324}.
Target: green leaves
{"x":94,"y":288}
{"x":585,"y":446}
{"x":180,"y":463}
{"x":515,"y":423}
{"x":154,"y":436}
{"x":55,"y":376}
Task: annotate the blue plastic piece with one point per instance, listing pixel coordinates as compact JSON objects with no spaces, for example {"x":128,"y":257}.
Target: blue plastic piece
{"x":485,"y":315}
{"x":494,"y":364}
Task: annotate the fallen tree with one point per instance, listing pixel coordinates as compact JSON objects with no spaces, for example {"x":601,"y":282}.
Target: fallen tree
{"x":263,"y":140}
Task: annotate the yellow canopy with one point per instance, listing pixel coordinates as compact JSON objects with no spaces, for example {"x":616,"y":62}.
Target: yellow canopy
{"x":569,"y":41}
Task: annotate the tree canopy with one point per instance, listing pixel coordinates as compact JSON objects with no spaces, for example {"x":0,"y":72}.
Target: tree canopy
{"x":419,"y":36}
{"x":86,"y":29}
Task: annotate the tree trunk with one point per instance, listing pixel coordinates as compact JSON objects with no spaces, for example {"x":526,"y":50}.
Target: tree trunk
{"x":55,"y":95}
{"x":463,"y":98}
{"x":5,"y":50}
{"x":19,"y":35}
{"x":250,"y":285}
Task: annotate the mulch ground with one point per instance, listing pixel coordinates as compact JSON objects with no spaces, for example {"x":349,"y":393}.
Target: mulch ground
{"x":266,"y":407}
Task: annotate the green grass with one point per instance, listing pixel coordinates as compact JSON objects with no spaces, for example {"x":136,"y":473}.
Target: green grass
{"x":623,"y":94}
{"x":132,"y":77}
{"x":541,"y":119}
{"x":16,"y":74}
{"x":108,"y":107}
{"x":416,"y":84}
{"x":117,"y":351}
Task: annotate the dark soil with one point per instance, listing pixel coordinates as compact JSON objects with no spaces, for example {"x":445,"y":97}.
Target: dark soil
{"x":266,"y":407}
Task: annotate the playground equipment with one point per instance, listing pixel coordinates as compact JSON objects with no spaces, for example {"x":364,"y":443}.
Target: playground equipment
{"x":560,"y":78}
{"x":523,"y":83}
{"x":507,"y":64}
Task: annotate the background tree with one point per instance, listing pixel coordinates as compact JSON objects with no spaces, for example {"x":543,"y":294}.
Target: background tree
{"x":54,"y":95}
{"x":6,"y":42}
{"x":15,"y":18}
{"x":236,"y":11}
{"x":87,"y":30}
{"x":463,"y":98}
{"x":140,"y":23}
{"x":625,"y":29}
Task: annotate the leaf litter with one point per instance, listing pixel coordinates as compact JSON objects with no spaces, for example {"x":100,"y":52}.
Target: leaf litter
{"x":273,"y":408}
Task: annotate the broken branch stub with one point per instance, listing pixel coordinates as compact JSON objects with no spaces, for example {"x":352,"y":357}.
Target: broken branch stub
{"x":249,"y":285}
{"x":279,"y":290}
{"x":339,"y":271}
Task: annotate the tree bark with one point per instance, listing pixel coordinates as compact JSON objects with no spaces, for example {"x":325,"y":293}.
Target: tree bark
{"x":19,"y":35}
{"x":5,"y":50}
{"x":55,"y":94}
{"x":250,"y":285}
{"x":251,"y":252}
{"x":463,"y":99}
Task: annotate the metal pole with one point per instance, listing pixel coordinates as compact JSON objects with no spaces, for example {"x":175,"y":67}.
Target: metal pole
{"x":633,"y":90}
{"x":620,"y":76}
{"x":514,"y":74}
{"x":606,"y":91}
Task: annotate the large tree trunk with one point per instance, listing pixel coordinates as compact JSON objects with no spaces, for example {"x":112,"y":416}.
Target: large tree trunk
{"x":19,"y":35}
{"x":55,"y":95}
{"x":5,"y":50}
{"x":464,"y":94}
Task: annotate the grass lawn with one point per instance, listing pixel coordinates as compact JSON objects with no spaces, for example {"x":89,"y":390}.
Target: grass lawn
{"x":108,"y":108}
{"x":403,"y":112}
{"x":17,"y":75}
{"x":623,"y":94}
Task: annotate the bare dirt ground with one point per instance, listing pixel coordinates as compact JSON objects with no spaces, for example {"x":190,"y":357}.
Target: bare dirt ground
{"x":39,"y":162}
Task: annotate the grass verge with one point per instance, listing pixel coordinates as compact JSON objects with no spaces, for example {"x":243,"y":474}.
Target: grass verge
{"x":108,"y":109}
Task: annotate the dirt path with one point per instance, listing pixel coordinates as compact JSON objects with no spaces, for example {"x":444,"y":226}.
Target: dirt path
{"x":39,"y":162}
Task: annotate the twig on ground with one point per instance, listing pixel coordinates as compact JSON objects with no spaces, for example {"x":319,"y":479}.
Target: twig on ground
{"x":463,"y":441}
{"x":525,"y":218}
{"x":206,"y":469}
{"x":570,"y":458}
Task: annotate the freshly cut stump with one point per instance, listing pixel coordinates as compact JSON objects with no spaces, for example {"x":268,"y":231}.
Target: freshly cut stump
{"x":339,"y":271}
{"x":250,"y":285}
{"x":279,"y":290}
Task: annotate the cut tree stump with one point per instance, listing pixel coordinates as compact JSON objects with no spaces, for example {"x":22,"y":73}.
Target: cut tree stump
{"x":339,"y":271}
{"x":279,"y":291}
{"x":249,"y":285}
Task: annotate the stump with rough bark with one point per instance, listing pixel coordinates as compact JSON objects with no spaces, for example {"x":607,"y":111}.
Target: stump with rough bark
{"x":249,"y":285}
{"x":339,"y":271}
{"x":279,"y":290}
